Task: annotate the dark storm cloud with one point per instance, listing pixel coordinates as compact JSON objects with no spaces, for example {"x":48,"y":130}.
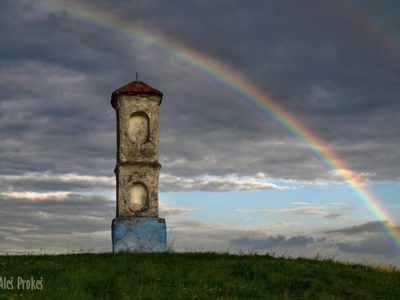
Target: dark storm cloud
{"x":376,"y":239}
{"x":58,"y":73}
{"x":379,"y":245}
{"x":34,"y":34}
{"x":328,"y":75}
{"x":64,"y":214}
{"x":49,"y":114}
{"x":369,"y":227}
{"x":271,"y":242}
{"x":67,"y":221}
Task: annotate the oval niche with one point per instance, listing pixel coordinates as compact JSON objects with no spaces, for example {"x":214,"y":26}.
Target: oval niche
{"x":139,"y":127}
{"x":138,"y":197}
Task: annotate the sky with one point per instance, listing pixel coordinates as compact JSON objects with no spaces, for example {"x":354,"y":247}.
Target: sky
{"x":235,"y":177}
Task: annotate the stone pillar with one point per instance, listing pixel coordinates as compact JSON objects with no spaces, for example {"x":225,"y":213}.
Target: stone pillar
{"x":137,"y":226}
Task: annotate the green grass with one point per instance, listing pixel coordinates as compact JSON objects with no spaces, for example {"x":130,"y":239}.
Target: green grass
{"x":195,"y":276}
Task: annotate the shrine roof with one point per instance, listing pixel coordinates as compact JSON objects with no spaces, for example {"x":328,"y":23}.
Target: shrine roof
{"x":135,"y":88}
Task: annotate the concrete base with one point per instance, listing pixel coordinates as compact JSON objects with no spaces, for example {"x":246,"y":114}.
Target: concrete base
{"x":139,"y":234}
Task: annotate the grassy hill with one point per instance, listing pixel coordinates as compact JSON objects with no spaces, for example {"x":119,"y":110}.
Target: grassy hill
{"x":192,"y":276}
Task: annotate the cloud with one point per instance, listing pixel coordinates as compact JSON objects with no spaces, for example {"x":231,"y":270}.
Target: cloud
{"x":166,"y":210}
{"x":303,"y":203}
{"x":225,"y":183}
{"x":369,"y":227}
{"x":47,"y":181}
{"x":307,"y":210}
{"x":315,"y":211}
{"x":378,"y":245}
{"x":367,"y":238}
{"x":54,"y":221}
{"x":36,"y":196}
{"x":272,"y":242}
{"x":330,"y":210}
{"x":36,"y":182}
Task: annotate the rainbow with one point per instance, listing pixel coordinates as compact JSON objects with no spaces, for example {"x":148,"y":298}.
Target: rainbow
{"x":234,"y":82}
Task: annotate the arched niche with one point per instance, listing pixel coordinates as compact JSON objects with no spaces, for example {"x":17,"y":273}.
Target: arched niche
{"x":138,"y":197}
{"x":139,"y":127}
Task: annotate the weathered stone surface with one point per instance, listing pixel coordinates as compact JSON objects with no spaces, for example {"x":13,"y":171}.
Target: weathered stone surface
{"x":137,"y":128}
{"x":137,"y":170}
{"x":130,"y":175}
{"x":139,"y":234}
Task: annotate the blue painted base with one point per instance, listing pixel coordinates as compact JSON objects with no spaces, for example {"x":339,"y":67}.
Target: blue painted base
{"x":139,"y":234}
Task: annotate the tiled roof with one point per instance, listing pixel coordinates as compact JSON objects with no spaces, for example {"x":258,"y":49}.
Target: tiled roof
{"x":134,"y":88}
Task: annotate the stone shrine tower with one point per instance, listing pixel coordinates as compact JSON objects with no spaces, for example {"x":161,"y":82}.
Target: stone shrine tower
{"x":137,"y":226}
